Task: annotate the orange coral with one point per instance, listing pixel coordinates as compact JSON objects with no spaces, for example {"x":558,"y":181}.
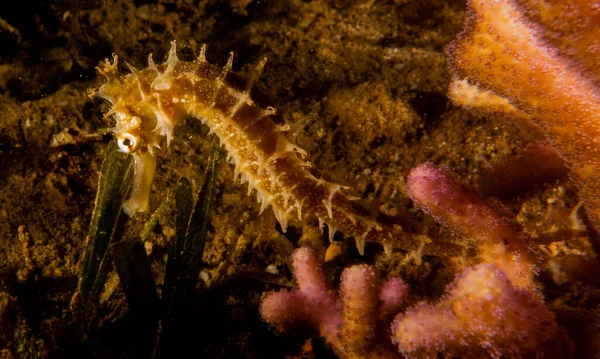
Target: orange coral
{"x":543,"y":57}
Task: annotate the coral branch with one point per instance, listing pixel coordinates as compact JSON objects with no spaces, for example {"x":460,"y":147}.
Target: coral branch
{"x":435,"y":191}
{"x":310,"y":305}
{"x":359,"y":320}
{"x":355,"y":325}
{"x":543,"y":58}
{"x":483,"y":315}
{"x":509,"y":177}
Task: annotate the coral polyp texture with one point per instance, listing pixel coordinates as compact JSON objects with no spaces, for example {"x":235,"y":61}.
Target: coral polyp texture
{"x":481,"y":315}
{"x":147,"y":104}
{"x":353,"y":322}
{"x":538,"y":61}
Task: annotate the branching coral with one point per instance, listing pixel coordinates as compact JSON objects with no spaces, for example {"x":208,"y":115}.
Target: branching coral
{"x":354,"y":322}
{"x":538,"y":61}
{"x":500,"y":241}
{"x":482,"y":315}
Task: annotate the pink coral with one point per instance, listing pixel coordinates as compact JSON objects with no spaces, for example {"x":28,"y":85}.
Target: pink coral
{"x":501,"y":242}
{"x":311,"y":304}
{"x":482,"y":315}
{"x":355,"y":324}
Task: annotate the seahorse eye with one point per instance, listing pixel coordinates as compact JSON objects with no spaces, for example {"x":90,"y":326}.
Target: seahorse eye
{"x":128,"y":143}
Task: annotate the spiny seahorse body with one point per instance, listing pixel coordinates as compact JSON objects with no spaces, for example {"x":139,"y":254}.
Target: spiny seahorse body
{"x":147,"y":104}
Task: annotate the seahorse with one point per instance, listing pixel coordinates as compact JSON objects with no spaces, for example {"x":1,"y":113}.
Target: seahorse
{"x":147,"y":104}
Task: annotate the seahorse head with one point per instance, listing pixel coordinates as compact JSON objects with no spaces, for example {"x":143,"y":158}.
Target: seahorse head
{"x":133,"y":134}
{"x":134,"y":130}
